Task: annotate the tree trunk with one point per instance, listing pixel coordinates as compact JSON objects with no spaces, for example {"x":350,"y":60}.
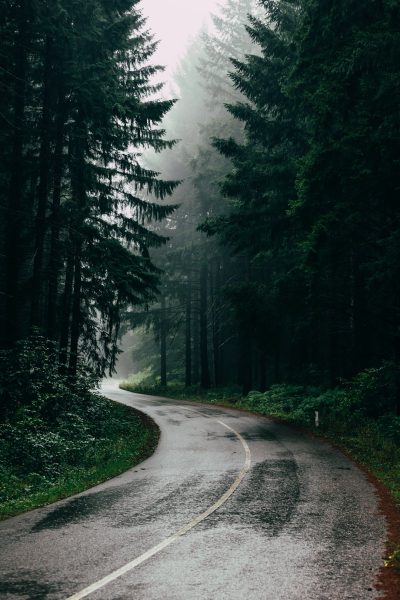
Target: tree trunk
{"x":196,"y":346}
{"x":66,"y":310}
{"x":188,"y":334}
{"x":246,"y":360}
{"x":44,"y":168}
{"x":76,"y":313}
{"x":204,"y":366}
{"x":396,"y":342}
{"x":55,"y":245}
{"x":163,"y":343}
{"x":216,"y":338}
{"x":334,"y":325}
{"x":361,"y":358}
{"x":78,"y":184}
{"x":263,"y":371}
{"x":15,"y":192}
{"x":277,"y":362}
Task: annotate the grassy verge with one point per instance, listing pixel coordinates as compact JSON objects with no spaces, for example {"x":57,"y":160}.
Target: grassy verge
{"x":123,"y":438}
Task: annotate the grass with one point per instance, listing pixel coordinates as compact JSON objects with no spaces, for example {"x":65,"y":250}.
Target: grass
{"x":128,"y":437}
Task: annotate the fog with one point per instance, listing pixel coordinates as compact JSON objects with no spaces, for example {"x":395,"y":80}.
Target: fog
{"x":175,"y":23}
{"x":196,"y":51}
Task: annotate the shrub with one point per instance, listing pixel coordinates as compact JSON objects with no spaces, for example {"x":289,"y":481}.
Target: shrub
{"x":374,"y":391}
{"x":389,"y":428}
{"x":281,"y":398}
{"x":30,"y":377}
{"x":46,"y":422}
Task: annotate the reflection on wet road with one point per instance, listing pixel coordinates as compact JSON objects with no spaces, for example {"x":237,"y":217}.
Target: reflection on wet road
{"x":303,"y":523}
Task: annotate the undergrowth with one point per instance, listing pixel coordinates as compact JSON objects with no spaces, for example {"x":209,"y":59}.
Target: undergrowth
{"x":59,"y":438}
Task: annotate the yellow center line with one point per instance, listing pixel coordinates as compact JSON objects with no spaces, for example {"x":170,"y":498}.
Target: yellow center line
{"x":173,"y":538}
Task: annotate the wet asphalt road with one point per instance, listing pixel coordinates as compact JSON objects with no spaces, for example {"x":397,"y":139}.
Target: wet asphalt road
{"x":303,"y":523}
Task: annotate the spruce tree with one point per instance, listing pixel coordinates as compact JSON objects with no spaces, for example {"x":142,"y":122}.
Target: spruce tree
{"x":261,"y":185}
{"x":78,"y":205}
{"x":196,"y":269}
{"x":346,"y":78}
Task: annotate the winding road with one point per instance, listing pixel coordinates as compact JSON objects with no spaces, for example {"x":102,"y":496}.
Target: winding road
{"x":230,"y":506}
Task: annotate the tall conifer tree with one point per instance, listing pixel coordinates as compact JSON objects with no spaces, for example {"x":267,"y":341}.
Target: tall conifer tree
{"x":81,"y":76}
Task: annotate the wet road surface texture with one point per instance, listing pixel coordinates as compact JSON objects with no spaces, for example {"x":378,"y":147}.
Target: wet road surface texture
{"x":303,"y":523}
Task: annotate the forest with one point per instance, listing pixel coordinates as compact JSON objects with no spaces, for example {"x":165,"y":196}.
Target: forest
{"x":241,"y":237}
{"x":283,"y":258}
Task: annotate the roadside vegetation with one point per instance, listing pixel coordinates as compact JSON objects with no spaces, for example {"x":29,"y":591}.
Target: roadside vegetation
{"x":57,"y":439}
{"x":79,"y":213}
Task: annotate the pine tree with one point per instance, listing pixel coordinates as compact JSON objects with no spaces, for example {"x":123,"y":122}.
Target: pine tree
{"x":261,"y":185}
{"x":81,"y":76}
{"x":195,"y":268}
{"x":346,"y":77}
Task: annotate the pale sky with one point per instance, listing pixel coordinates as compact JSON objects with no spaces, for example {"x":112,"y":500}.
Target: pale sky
{"x":175,"y":23}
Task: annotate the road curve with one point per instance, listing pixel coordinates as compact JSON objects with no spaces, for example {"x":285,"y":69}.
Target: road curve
{"x":299,"y":522}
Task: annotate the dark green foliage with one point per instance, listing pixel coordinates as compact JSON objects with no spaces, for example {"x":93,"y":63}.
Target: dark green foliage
{"x":78,"y":209}
{"x":30,"y":380}
{"x":344,"y":411}
{"x":261,"y":185}
{"x":346,"y":182}
{"x":313,"y":193}
{"x":75,"y":195}
{"x":304,"y":284}
{"x":40,"y":405}
{"x":374,"y":391}
{"x":53,"y":436}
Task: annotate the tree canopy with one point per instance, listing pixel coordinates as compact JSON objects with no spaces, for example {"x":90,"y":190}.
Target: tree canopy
{"x":300,"y":211}
{"x":78,"y":109}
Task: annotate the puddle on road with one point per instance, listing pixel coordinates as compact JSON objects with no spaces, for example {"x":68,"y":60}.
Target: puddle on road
{"x":174,"y":422}
{"x":221,"y":436}
{"x":85,"y":507}
{"x":259,"y":435}
{"x":271,"y":495}
{"x":266,"y":500}
{"x":26,"y":590}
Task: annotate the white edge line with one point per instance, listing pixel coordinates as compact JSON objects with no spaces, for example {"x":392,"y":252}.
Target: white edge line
{"x":170,"y":540}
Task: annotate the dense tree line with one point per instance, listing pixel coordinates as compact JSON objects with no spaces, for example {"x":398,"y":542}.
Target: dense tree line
{"x":307,"y":216}
{"x":282,"y":261}
{"x":314,"y":184}
{"x":194,"y":325}
{"x":77,"y":108}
